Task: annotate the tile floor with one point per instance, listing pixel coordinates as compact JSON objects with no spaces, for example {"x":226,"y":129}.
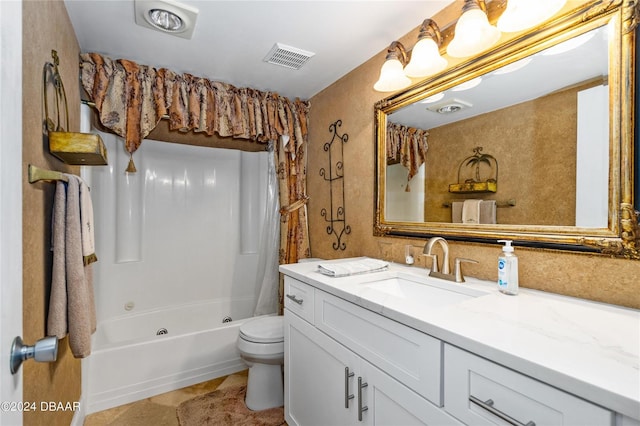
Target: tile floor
{"x":160,"y":410}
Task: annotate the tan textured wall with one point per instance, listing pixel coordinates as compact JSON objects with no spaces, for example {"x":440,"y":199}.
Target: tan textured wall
{"x":46,"y":26}
{"x":351,"y":99}
{"x":536,"y":149}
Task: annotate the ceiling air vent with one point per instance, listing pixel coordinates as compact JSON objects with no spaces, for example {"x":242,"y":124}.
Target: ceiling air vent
{"x":287,"y":56}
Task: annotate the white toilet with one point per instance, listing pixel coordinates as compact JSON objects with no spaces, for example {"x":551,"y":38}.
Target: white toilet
{"x":261,"y":346}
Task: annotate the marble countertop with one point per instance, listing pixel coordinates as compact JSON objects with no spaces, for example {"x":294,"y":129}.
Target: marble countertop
{"x":589,"y":349}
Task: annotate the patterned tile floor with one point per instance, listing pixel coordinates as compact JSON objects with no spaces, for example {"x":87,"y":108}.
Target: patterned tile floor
{"x":160,"y":410}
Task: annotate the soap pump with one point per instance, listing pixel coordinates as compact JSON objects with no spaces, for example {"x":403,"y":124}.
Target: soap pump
{"x":508,"y":269}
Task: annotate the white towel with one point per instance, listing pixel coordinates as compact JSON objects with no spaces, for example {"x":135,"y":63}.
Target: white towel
{"x":487,"y":212}
{"x":471,"y":211}
{"x":352,"y":267}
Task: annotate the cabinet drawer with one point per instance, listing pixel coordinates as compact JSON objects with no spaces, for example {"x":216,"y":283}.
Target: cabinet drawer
{"x":411,"y":357}
{"x":298,"y":298}
{"x":480,"y":392}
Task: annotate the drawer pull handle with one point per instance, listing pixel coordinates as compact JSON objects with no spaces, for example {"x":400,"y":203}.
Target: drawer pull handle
{"x":295,"y":299}
{"x":347,"y":396}
{"x":488,"y":405}
{"x":361,"y":408}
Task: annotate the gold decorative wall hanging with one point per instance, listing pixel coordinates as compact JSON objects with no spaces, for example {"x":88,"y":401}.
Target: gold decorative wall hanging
{"x":476,"y":173}
{"x":74,"y":148}
{"x":335,"y":217}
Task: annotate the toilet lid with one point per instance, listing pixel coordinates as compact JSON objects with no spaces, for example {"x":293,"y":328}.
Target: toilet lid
{"x":263,"y":330}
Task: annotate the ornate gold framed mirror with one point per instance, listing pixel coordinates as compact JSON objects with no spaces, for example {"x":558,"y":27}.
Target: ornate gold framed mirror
{"x":554,"y":108}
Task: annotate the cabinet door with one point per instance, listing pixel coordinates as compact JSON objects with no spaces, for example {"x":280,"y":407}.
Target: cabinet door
{"x":315,"y":377}
{"x":390,"y":403}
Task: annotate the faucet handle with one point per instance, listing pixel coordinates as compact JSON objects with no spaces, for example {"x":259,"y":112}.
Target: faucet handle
{"x":458,"y":268}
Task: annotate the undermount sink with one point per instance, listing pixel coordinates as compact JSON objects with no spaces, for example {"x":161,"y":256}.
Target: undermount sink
{"x":427,"y":292}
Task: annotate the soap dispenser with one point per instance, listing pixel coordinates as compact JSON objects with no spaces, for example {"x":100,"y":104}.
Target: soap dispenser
{"x":508,"y":269}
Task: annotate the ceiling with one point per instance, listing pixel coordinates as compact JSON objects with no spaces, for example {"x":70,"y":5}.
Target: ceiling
{"x":232,"y":38}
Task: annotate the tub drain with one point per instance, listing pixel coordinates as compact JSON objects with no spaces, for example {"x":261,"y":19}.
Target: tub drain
{"x":161,"y":332}
{"x":226,"y":319}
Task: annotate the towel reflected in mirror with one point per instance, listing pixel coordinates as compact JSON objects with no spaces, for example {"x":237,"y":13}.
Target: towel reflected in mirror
{"x":473,"y":211}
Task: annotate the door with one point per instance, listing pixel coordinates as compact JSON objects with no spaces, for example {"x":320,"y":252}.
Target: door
{"x":317,"y":384}
{"x":10,"y":203}
{"x":390,"y":403}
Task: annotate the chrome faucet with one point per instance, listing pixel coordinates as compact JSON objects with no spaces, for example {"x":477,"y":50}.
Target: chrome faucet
{"x":446,"y":270}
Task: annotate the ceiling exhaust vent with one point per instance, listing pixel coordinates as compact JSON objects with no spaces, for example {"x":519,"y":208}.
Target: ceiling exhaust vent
{"x":287,"y":56}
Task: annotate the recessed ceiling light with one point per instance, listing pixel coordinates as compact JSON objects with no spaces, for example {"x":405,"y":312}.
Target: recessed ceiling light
{"x":166,"y":20}
{"x":167,"y":16}
{"x":449,"y":106}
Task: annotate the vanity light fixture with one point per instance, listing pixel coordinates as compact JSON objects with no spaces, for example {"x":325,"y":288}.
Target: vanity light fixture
{"x":167,"y":16}
{"x":425,"y":56}
{"x":524,"y":14}
{"x":392,"y":75}
{"x":473,"y":32}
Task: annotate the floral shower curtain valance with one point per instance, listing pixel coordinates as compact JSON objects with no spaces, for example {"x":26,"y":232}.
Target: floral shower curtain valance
{"x":408,"y":146}
{"x":131,"y":99}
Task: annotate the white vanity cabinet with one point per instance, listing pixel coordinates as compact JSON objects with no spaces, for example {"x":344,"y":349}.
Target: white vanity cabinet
{"x":349,"y":372}
{"x":476,"y":362}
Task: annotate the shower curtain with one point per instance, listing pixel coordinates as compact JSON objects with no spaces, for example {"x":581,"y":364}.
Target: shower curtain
{"x":269,"y":244}
{"x":132,"y":98}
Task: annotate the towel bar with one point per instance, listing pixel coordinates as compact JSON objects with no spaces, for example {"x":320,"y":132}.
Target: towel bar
{"x":508,"y":203}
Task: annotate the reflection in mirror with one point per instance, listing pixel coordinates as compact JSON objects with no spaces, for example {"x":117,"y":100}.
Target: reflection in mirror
{"x":545,"y":119}
{"x":558,"y":122}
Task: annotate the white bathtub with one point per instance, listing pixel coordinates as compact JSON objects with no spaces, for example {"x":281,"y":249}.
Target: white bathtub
{"x":129,"y":361}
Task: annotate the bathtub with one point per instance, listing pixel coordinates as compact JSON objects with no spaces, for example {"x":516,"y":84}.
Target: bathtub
{"x":141,"y":355}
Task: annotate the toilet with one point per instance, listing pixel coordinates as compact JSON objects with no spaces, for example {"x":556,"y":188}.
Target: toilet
{"x":261,"y":346}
